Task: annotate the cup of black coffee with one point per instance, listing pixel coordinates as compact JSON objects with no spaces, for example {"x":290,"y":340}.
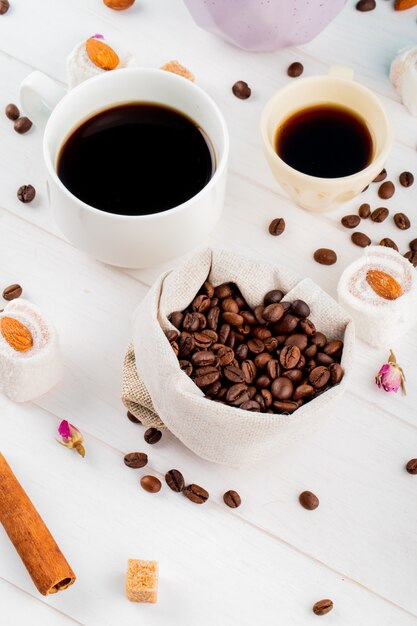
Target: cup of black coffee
{"x":325,"y":138}
{"x":136,"y":162}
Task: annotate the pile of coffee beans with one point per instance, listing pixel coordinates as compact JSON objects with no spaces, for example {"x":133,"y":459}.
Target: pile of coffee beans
{"x":270,"y":359}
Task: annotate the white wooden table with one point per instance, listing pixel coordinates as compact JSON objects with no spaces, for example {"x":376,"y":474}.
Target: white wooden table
{"x":269,"y":561}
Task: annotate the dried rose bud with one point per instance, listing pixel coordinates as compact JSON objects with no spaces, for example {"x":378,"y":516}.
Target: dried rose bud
{"x":71,"y":437}
{"x":391,"y":377}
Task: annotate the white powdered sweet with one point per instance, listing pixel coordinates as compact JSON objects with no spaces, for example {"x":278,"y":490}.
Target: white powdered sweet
{"x":403,"y":76}
{"x":379,"y":321}
{"x":27,"y":375}
{"x":80,"y":67}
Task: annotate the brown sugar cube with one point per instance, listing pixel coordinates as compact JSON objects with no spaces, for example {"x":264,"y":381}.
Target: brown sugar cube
{"x":142,"y":581}
{"x":177,"y":68}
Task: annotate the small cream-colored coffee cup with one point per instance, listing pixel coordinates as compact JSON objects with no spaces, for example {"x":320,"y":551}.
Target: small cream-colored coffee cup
{"x":311,"y":192}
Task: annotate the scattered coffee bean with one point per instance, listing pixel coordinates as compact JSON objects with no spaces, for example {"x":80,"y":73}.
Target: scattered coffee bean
{"x":22,"y":125}
{"x":12,"y":112}
{"x":360,"y":239}
{"x":322,"y":607}
{"x":241,"y":90}
{"x":175,"y":480}
{"x":401,"y":221}
{"x":133,"y":418}
{"x":388,"y":243}
{"x":413,"y":245}
{"x":152,"y":484}
{"x":12,"y":292}
{"x":406,"y":179}
{"x":277,"y":226}
{"x":364,"y":211}
{"x":350,"y":221}
{"x":386,"y":190}
{"x":152,"y":435}
{"x":4,"y":6}
{"x":136,"y":459}
{"x":411,"y":466}
{"x":365,"y":5}
{"x":232,"y":499}
{"x":412,"y":257}
{"x":381,"y":176}
{"x":325,"y":256}
{"x":308,"y":500}
{"x":196,"y":494}
{"x":295,"y":69}
{"x":26,"y":193}
{"x":379,"y":215}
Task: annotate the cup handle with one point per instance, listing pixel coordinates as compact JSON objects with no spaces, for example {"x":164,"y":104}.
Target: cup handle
{"x":39,"y":94}
{"x":341,"y":71}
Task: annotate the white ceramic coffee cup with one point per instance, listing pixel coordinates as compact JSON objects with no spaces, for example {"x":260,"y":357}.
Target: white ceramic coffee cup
{"x":311,"y":192}
{"x":128,"y":241}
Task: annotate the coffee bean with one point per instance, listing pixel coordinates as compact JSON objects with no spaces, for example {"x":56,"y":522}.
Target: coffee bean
{"x":271,"y":344}
{"x":282,"y":388}
{"x":295,"y":69}
{"x":406,"y":179}
{"x":232,"y":499}
{"x":310,"y":352}
{"x":300,"y":308}
{"x":360,"y":239}
{"x":171,"y":335}
{"x":226,"y":355}
{"x":388,"y":243}
{"x":133,"y":418}
{"x":412,"y":257}
{"x":26,"y":193}
{"x":241,"y":352}
{"x":297,"y":339}
{"x":325,"y":256}
{"x":237,"y":394}
{"x":196,"y":494}
{"x":302,"y":391}
{"x":364,"y":211}
{"x":12,"y":112}
{"x":307,"y":327}
{"x":186,"y":367}
{"x":203,"y":358}
{"x":186,"y":344}
{"x":152,"y":484}
{"x":401,"y":221}
{"x":308,"y":500}
{"x":322,"y":607}
{"x":176,"y":319}
{"x":4,"y":6}
{"x":256,"y":346}
{"x":234,"y":374}
{"x":241,"y":90}
{"x":381,"y":176}
{"x":261,"y":360}
{"x":323,"y":359}
{"x":234,"y":319}
{"x":273,"y":312}
{"x":386,"y":190}
{"x":319,"y":376}
{"x":230,"y":305}
{"x":136,"y":459}
{"x":206,"y":375}
{"x":175,"y":480}
{"x":273,"y":369}
{"x":201,"y":303}
{"x":274,"y":296}
{"x":379,"y":215}
{"x":295,"y":376}
{"x":333,"y":347}
{"x":277,"y":226}
{"x":12,"y":292}
{"x":336,"y":373}
{"x":413,"y":245}
{"x":319,"y":340}
{"x":213,"y":317}
{"x":285,"y":407}
{"x":350,"y":221}
{"x":225,"y":290}
{"x":251,"y":405}
{"x":365,"y":5}
{"x":22,"y":125}
{"x":152,"y":435}
{"x":261,"y":332}
{"x":289,"y":357}
{"x":287,"y":324}
{"x":411,"y":466}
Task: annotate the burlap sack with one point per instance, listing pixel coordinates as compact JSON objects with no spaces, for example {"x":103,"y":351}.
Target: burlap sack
{"x":161,"y":395}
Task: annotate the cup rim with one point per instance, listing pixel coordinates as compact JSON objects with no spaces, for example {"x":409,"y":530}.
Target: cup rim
{"x":165,"y":76}
{"x":381,"y":158}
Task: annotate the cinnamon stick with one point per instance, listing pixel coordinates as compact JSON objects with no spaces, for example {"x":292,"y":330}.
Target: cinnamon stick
{"x":27,"y":531}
